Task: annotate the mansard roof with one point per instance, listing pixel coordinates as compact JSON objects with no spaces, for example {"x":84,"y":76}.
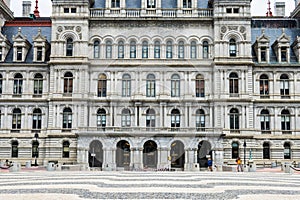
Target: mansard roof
{"x":29,"y":29}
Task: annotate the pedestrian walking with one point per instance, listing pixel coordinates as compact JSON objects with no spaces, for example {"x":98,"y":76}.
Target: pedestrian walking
{"x":239,"y":166}
{"x":209,"y":164}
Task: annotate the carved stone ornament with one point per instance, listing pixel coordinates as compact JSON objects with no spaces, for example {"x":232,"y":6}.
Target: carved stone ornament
{"x":78,"y":29}
{"x":233,"y":28}
{"x":242,"y":29}
{"x":69,"y":27}
{"x":60,"y":29}
{"x":223,"y":29}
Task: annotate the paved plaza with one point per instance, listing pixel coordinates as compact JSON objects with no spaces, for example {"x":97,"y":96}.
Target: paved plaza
{"x":78,"y":185}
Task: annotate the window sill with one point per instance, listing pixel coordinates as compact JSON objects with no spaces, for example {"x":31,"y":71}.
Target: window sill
{"x":15,"y":131}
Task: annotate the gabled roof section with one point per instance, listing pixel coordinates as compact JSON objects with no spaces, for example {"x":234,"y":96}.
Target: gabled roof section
{"x":39,"y":37}
{"x":20,"y":37}
{"x":282,"y":39}
{"x":263,"y":38}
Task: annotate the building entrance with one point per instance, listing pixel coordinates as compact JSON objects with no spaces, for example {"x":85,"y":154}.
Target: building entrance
{"x":177,"y":155}
{"x":150,"y":154}
{"x":95,"y":154}
{"x":123,"y":154}
{"x":204,"y":151}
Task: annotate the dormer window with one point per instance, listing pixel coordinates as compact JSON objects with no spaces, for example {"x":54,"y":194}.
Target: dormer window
{"x":263,"y":54}
{"x":19,"y":53}
{"x":21,"y":47}
{"x":281,"y":47}
{"x":115,"y":3}
{"x":4,"y":47}
{"x":41,"y":45}
{"x":151,"y":3}
{"x":187,"y":4}
{"x":283,"y":54}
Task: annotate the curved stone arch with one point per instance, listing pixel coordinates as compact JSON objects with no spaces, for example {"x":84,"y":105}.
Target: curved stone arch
{"x":292,"y":112}
{"x":69,"y":34}
{"x":145,"y":38}
{"x":118,"y":139}
{"x":62,"y":107}
{"x":32,"y":75}
{"x":132,"y":38}
{"x":108,"y":38}
{"x":206,"y":38}
{"x":95,"y":38}
{"x":31,"y":109}
{"x":62,"y":140}
{"x":144,"y":111}
{"x":120,"y":38}
{"x":290,"y":75}
{"x":174,"y":107}
{"x":292,"y":143}
{"x":15,"y":73}
{"x":271,"y":110}
{"x":268,"y":74}
{"x":100,"y":107}
{"x":11,"y":109}
{"x":177,"y":139}
{"x":157,"y":38}
{"x":193,"y":38}
{"x":181,"y":39}
{"x":120,"y":110}
{"x":143,"y":141}
{"x":234,"y":107}
{"x":233,"y":35}
{"x":13,"y":140}
{"x":271,"y":143}
{"x":205,"y":109}
{"x":96,"y":75}
{"x":169,"y":38}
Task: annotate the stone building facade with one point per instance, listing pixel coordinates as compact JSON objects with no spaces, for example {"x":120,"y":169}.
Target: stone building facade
{"x":150,"y":84}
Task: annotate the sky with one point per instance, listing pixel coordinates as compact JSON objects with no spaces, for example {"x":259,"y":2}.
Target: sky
{"x":258,"y":7}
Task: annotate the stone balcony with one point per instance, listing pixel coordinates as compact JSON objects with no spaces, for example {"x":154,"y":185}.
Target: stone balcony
{"x":158,"y":13}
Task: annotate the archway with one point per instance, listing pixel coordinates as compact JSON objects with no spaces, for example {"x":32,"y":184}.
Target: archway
{"x":150,"y":154}
{"x":123,"y":154}
{"x":177,"y":154}
{"x":204,"y":150}
{"x":95,"y":154}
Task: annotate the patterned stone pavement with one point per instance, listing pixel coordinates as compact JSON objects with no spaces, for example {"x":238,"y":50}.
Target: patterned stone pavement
{"x":62,"y":185}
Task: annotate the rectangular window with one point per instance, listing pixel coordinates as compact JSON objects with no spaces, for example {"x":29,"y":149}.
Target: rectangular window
{"x":187,"y":4}
{"x":235,"y":10}
{"x":228,"y":10}
{"x":39,"y":54}
{"x":38,"y":86}
{"x":66,"y":10}
{"x":0,"y":54}
{"x":73,"y":10}
{"x":151,"y":3}
{"x":263,"y":54}
{"x":19,"y":53}
{"x":115,"y":3}
{"x":283,"y":54}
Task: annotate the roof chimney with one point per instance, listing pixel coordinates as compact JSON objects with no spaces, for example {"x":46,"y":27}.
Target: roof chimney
{"x":280,"y":8}
{"x":26,"y":8}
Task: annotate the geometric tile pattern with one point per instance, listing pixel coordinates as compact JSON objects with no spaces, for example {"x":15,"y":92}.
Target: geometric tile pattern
{"x":62,"y":185}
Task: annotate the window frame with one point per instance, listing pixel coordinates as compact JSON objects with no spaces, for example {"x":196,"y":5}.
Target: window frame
{"x":126,"y":118}
{"x":175,"y":85}
{"x":150,"y":85}
{"x":18,"y":84}
{"x":37,"y":119}
{"x":200,"y":86}
{"x":38,"y":84}
{"x":69,"y":47}
{"x":16,"y":119}
{"x":102,"y":86}
{"x":67,"y":118}
{"x":126,"y":85}
{"x":234,"y":119}
{"x":68,"y":83}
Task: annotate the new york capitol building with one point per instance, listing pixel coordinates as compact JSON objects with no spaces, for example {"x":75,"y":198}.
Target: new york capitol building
{"x":149,"y":84}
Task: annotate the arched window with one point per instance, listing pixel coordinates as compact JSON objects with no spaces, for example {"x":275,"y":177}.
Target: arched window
{"x":234,"y":150}
{"x":108,"y":49}
{"x":115,"y":3}
{"x":14,"y":149}
{"x":123,"y":154}
{"x":265,"y":121}
{"x":37,"y":119}
{"x":284,"y":86}
{"x":175,"y":119}
{"x":233,"y":84}
{"x":193,"y":49}
{"x":200,"y":120}
{"x":266,"y":150}
{"x":126,"y":118}
{"x":145,"y":49}
{"x":234,"y":119}
{"x":101,"y":118}
{"x":38,"y":84}
{"x":132,"y":49}
{"x":200,"y":86}
{"x":175,"y":85}
{"x":287,"y":150}
{"x":157,"y":49}
{"x":150,"y":86}
{"x":66,"y":149}
{"x":150,"y":119}
{"x":69,"y":48}
{"x":68,"y":83}
{"x":1,"y":83}
{"x":121,"y":49}
{"x":126,"y":85}
{"x":285,"y":121}
{"x":16,"y":119}
{"x":205,"y":49}
{"x":67,"y":118}
{"x":102,"y":84}
{"x":18,"y":84}
{"x":96,"y":49}
{"x":169,"y":50}
{"x":264,"y":86}
{"x":181,"y":49}
{"x":35,"y":149}
{"x":232,"y":48}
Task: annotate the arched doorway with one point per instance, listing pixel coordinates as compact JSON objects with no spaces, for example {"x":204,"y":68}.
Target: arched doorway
{"x":150,"y":154}
{"x":204,"y":149}
{"x":177,"y":154}
{"x":123,"y":154}
{"x":95,"y":154}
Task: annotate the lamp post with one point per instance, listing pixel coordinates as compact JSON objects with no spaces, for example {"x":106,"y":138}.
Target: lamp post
{"x":245,"y":152}
{"x":36,"y":135}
